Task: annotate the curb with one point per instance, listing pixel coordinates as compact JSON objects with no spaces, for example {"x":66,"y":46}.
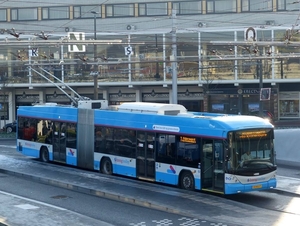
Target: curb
{"x":113,"y":196}
{"x":102,"y":194}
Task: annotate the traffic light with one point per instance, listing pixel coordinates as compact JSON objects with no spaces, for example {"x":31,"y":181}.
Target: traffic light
{"x":265,"y":93}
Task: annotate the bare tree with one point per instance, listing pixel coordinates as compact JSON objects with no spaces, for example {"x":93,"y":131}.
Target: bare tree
{"x":208,"y":76}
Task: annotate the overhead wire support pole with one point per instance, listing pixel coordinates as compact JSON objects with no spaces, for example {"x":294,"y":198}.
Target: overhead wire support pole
{"x":174,"y":58}
{"x":260,"y":74}
{"x":29,"y":60}
{"x":129,"y":61}
{"x":62,"y":65}
{"x":95,"y":58}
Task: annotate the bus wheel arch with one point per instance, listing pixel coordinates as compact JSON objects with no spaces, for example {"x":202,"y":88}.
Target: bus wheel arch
{"x":106,"y":166}
{"x":44,"y":154}
{"x":186,"y":180}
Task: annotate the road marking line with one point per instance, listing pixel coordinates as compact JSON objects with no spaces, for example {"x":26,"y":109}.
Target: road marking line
{"x":8,"y":146}
{"x":31,"y":200}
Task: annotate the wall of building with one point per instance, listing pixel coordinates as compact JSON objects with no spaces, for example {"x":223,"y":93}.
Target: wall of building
{"x":286,"y":146}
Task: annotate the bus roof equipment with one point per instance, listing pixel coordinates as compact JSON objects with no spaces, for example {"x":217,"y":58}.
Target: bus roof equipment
{"x":152,"y":108}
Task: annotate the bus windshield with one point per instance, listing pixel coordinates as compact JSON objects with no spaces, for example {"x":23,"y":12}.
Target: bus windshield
{"x":251,"y":151}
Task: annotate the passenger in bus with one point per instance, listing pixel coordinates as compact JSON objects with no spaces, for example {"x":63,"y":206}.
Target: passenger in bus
{"x":33,"y":131}
{"x":246,"y":156}
{"x":48,"y":139}
{"x":30,"y":132}
{"x":44,"y":129}
{"x":170,"y":152}
{"x":63,"y":128}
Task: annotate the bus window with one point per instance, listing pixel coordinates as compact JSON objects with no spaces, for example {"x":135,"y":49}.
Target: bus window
{"x":109,"y":140}
{"x":150,"y":145}
{"x":188,"y":153}
{"x":126,"y":142}
{"x":166,"y":149}
{"x":71,"y":135}
{"x":27,"y":129}
{"x":99,"y":139}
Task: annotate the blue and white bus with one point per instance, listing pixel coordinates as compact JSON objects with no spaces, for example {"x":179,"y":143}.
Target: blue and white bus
{"x":155,"y":142}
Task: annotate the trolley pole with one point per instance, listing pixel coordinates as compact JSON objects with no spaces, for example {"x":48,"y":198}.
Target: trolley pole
{"x":174,"y":58}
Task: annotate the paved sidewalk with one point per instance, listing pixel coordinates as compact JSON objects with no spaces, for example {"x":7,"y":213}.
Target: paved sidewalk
{"x":287,"y":184}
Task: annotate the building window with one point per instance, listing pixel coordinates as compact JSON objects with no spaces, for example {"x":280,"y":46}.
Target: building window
{"x":124,"y":10}
{"x":153,"y":9}
{"x":289,"y":105}
{"x":85,"y":11}
{"x":289,"y":108}
{"x":221,"y":6}
{"x":51,"y":13}
{"x":288,"y":5}
{"x":3,"y":110}
{"x":3,"y":15}
{"x":257,"y":5}
{"x":190,"y":7}
{"x":24,"y":14}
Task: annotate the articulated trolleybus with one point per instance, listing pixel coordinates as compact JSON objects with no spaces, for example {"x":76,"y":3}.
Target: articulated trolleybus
{"x":164,"y":143}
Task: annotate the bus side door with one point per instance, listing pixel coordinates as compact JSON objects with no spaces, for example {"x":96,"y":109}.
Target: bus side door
{"x":145,"y":161}
{"x":212,"y":165}
{"x":59,"y":141}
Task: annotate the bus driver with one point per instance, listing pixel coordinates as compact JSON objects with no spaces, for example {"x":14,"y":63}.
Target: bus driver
{"x":246,"y":156}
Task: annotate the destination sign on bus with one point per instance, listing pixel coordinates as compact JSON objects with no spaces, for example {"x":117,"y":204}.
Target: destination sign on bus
{"x":191,"y":140}
{"x":252,"y":134}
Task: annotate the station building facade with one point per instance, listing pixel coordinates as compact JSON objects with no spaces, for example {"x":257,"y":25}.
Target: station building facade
{"x":221,"y":52}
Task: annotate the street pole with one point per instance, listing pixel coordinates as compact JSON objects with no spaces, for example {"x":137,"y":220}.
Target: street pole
{"x":260,"y":74}
{"x":95,"y":58}
{"x":174,"y":58}
{"x":157,"y":76}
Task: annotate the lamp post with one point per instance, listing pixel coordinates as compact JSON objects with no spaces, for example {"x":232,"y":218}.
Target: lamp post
{"x":95,"y":74}
{"x":260,"y":76}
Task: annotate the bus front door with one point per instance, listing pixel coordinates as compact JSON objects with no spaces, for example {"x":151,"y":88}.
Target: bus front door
{"x":59,"y":142}
{"x":145,"y":159}
{"x":212,"y":171}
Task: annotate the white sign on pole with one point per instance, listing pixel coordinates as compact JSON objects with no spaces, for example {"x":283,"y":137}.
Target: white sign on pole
{"x":128,"y":50}
{"x":79,"y":36}
{"x":250,"y":34}
{"x":33,"y":52}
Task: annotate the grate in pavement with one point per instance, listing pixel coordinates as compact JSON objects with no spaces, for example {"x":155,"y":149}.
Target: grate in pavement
{"x":58,"y":197}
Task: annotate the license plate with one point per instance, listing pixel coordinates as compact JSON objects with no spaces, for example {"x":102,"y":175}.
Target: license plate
{"x":257,"y":186}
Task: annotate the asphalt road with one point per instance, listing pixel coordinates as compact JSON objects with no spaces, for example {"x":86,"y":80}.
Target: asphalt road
{"x":101,"y":209}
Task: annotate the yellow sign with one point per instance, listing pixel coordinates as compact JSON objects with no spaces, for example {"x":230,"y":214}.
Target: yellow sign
{"x":188,"y":140}
{"x":257,"y":186}
{"x":253,"y":134}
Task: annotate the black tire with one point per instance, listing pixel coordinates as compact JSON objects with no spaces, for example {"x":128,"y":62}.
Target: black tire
{"x":187,"y":181}
{"x":9,"y":129}
{"x":44,"y":155}
{"x":106,"y":166}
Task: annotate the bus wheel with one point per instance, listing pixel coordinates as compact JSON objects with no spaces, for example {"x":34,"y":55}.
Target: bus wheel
{"x":44,"y":155}
{"x":187,"y":181}
{"x":106,"y":166}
